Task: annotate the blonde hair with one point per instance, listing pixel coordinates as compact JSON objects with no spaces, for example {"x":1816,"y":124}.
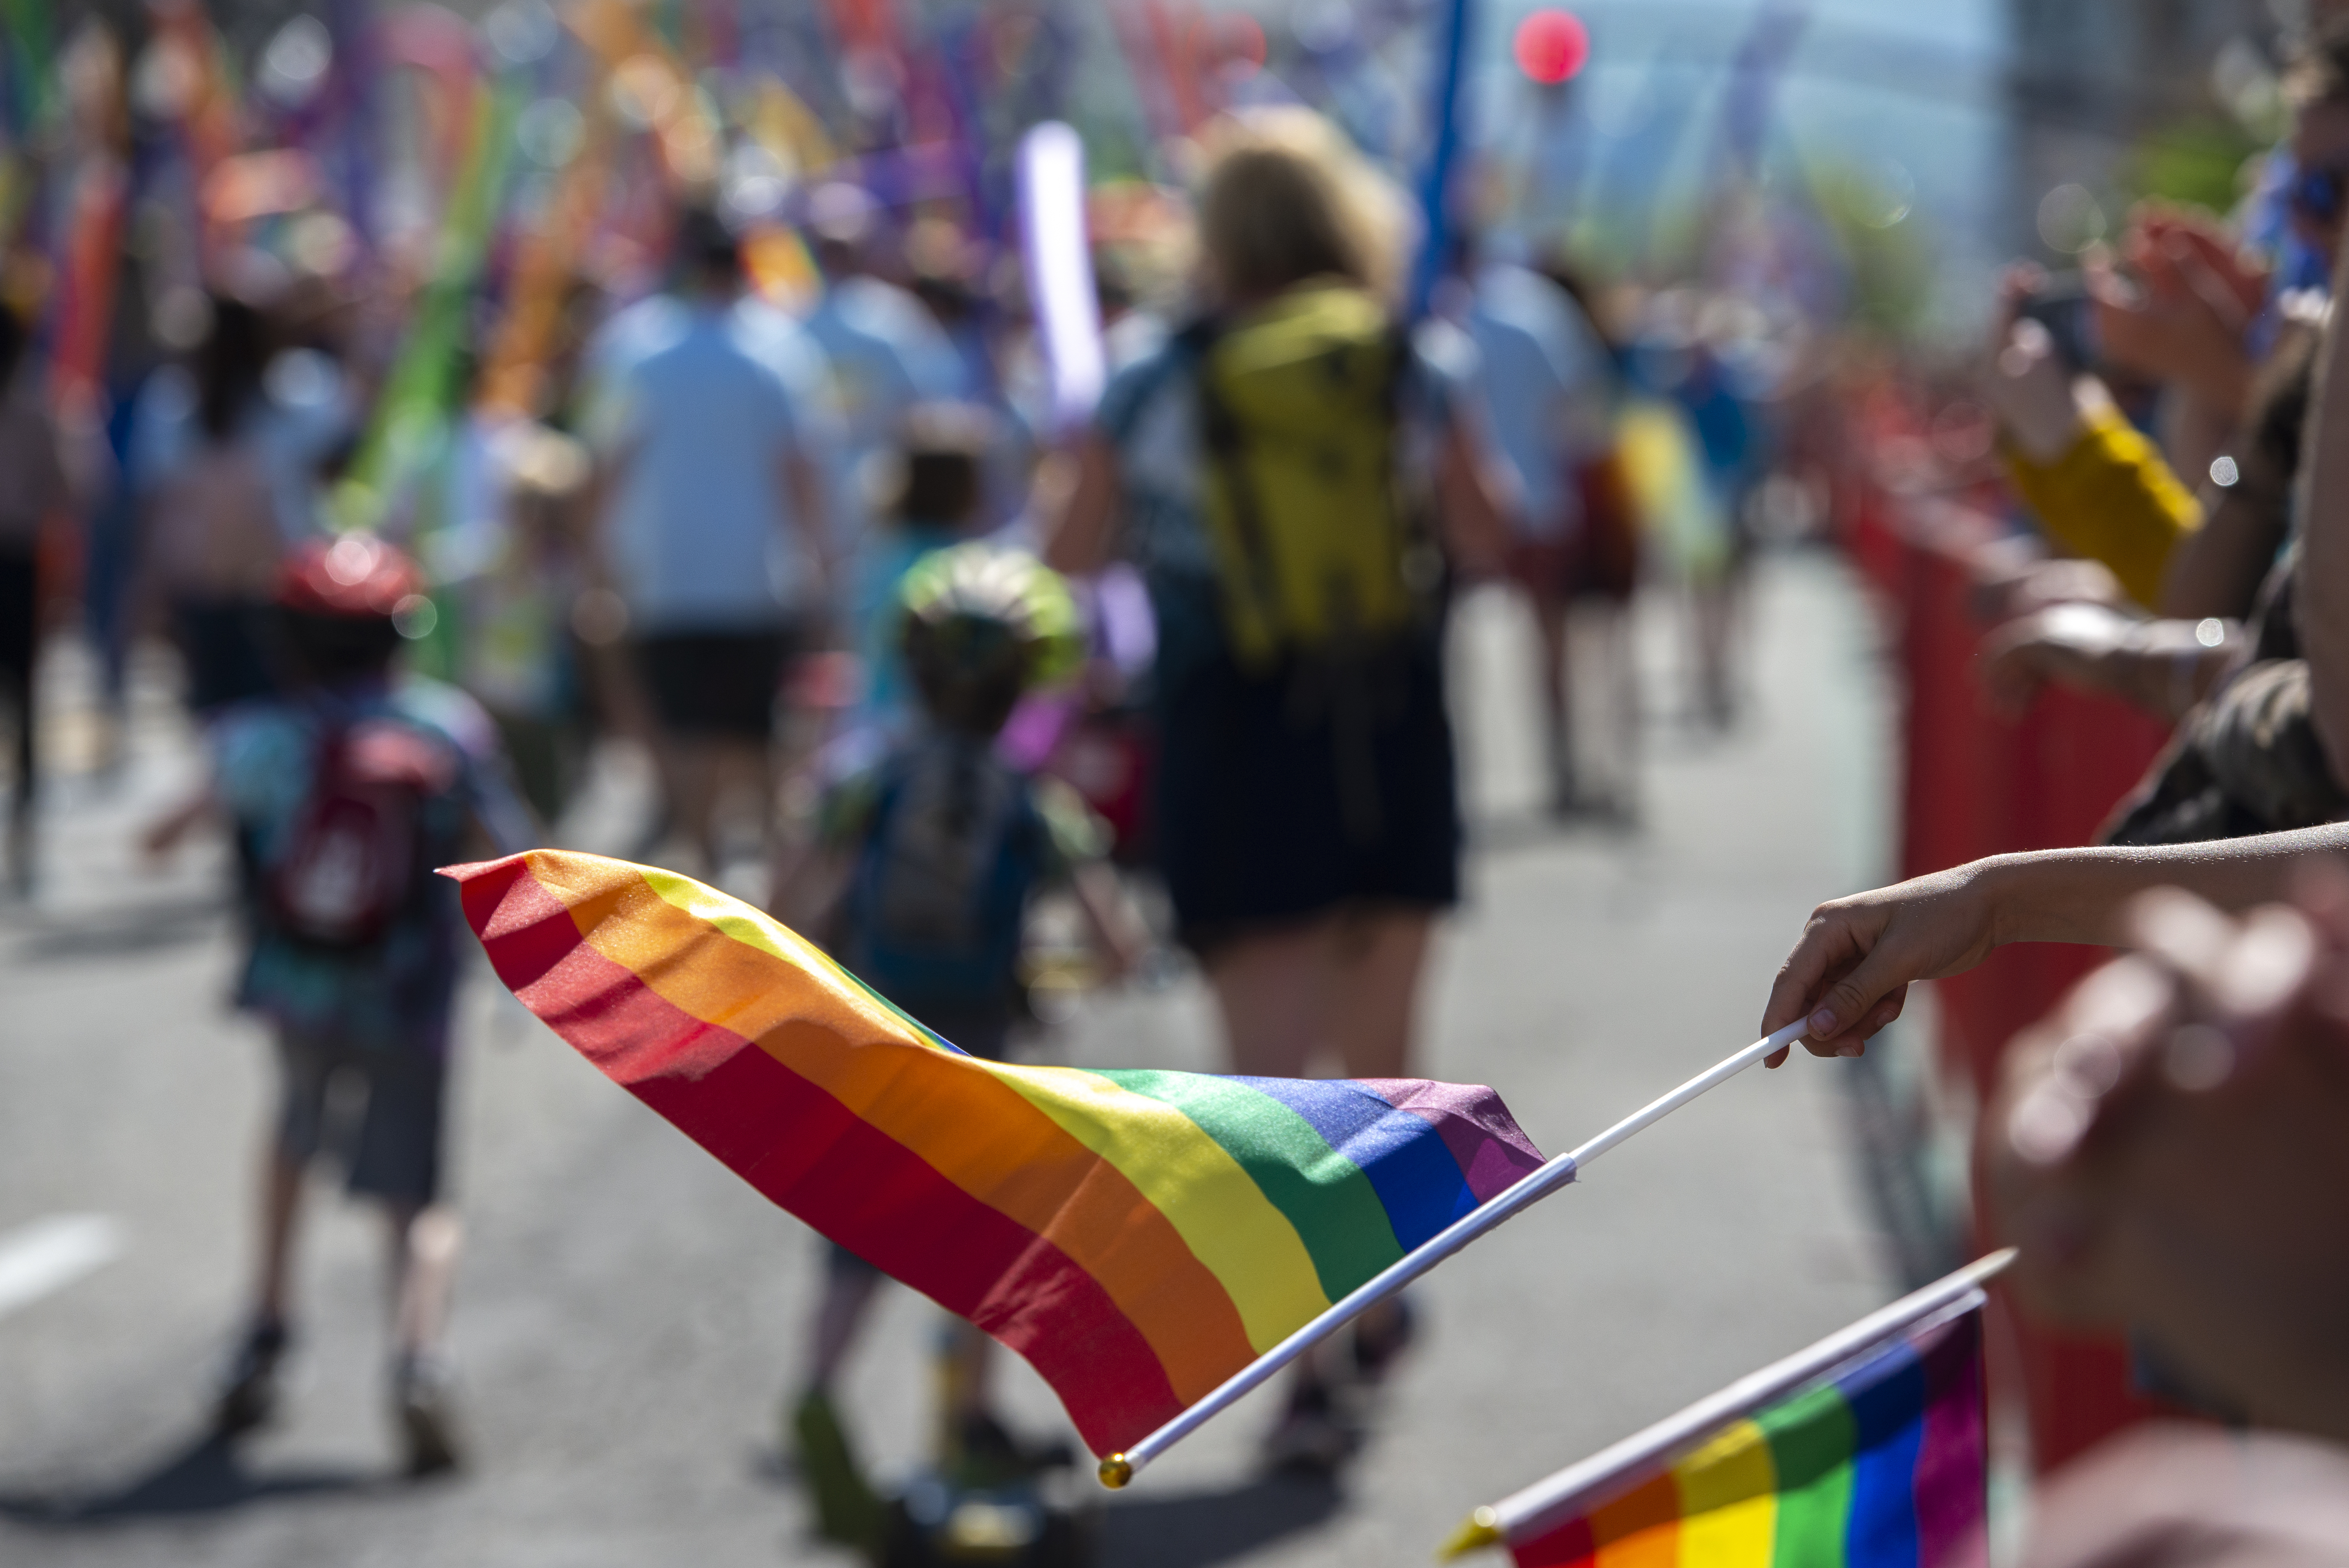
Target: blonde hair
{"x":1288,"y":199}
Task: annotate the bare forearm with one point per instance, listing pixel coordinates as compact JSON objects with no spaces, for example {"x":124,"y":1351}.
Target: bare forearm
{"x":2081,"y":895}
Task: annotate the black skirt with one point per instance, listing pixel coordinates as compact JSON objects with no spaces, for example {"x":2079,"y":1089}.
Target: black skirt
{"x":1292,"y":794}
{"x":715,"y":684}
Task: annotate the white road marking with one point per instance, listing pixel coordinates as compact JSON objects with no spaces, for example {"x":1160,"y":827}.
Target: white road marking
{"x":49,"y":1255}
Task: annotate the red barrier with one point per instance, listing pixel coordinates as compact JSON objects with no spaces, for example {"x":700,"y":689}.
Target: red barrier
{"x":1975,"y":785}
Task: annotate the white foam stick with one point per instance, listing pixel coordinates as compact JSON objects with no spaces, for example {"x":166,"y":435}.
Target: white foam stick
{"x":1119,"y":1469}
{"x":1061,"y":268}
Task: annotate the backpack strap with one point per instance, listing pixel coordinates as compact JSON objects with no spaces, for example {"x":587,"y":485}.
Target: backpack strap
{"x":1220,"y":436}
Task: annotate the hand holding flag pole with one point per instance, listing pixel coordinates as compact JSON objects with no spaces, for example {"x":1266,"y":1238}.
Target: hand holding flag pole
{"x":1120,"y":1469}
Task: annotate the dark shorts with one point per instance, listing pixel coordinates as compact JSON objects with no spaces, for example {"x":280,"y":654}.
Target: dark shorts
{"x":1287,"y":796}
{"x":719,"y":684}
{"x":224,"y":644}
{"x":378,"y":1112}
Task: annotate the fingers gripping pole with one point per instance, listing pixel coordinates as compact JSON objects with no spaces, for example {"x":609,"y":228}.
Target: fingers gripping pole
{"x":1120,"y":1469}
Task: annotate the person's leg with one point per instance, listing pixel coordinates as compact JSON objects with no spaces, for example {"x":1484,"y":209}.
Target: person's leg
{"x":249,"y":1394}
{"x":424,"y":1240}
{"x":1558,"y":698}
{"x":281,"y":1208}
{"x":689,"y":777}
{"x":1270,"y":989}
{"x":747,"y":763}
{"x":1601,"y":627}
{"x":850,"y":1284}
{"x":1372,"y":989}
{"x":1710,"y":603}
{"x":16,"y":689}
{"x":1618,"y":638}
{"x":396,"y":1161}
{"x":846,"y":1507}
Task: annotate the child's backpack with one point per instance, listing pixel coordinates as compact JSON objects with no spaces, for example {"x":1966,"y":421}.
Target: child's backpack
{"x":935,"y":903}
{"x":354,"y":856}
{"x":1316,"y":550}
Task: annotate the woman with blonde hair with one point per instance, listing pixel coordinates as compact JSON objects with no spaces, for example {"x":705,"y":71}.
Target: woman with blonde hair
{"x":1291,"y":477}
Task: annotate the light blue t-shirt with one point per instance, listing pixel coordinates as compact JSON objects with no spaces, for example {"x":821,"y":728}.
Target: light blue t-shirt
{"x":1541,"y":388}
{"x":883,"y":353}
{"x":700,"y":404}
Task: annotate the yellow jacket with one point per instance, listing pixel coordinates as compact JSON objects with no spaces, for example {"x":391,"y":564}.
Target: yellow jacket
{"x":2111,"y":498}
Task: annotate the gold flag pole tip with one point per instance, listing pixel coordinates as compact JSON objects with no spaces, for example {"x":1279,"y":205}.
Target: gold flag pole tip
{"x":1482,"y":1529}
{"x":1115,"y":1471}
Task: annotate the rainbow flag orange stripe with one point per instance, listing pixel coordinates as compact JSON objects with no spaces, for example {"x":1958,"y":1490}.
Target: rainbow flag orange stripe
{"x":1138,"y":1236}
{"x":1878,"y":1467}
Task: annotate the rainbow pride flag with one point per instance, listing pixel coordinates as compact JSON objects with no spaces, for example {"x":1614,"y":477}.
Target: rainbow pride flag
{"x":1138,"y":1236}
{"x":1877,"y":1462}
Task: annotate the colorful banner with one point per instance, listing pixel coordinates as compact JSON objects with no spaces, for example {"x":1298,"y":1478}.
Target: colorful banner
{"x":1138,"y":1236}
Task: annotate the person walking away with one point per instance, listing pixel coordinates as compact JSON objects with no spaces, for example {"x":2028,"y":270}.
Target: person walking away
{"x":883,"y":354}
{"x":1544,"y":394}
{"x":707,"y":425}
{"x":933,"y":487}
{"x":34,"y":499}
{"x":919,"y":881}
{"x":215,"y":538}
{"x":1292,"y":477}
{"x":343,"y":793}
{"x":516,"y":653}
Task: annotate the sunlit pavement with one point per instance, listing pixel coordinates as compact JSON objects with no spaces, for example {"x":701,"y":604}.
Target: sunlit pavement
{"x":629,"y":1313}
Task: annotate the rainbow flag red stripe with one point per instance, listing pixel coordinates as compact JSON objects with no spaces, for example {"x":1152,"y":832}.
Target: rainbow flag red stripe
{"x":1138,"y":1236}
{"x":1881,"y":1466}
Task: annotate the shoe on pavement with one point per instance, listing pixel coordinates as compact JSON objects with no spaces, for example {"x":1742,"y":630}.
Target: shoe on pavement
{"x":985,"y":1453}
{"x":420,"y":1402}
{"x":1310,"y":1439}
{"x":248,"y":1397}
{"x":1381,"y":1339}
{"x":847,"y":1509}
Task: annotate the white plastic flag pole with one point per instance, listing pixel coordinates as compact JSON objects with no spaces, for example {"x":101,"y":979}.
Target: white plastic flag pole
{"x":1121,"y":1467}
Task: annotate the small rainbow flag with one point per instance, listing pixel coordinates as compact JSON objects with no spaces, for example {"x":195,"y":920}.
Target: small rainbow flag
{"x":1866,"y":1451}
{"x":1138,"y":1236}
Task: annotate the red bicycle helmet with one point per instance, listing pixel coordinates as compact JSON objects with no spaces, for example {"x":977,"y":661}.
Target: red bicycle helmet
{"x":356,"y":575}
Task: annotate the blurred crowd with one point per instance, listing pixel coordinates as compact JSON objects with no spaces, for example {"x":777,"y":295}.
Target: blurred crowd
{"x":625,"y":410}
{"x":733,"y":435}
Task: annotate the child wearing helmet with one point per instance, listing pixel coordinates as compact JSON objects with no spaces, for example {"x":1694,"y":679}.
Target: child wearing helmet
{"x":343,"y":792}
{"x":919,"y":880}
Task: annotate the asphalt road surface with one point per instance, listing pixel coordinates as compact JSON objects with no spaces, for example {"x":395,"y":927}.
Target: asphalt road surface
{"x":629,"y":1314}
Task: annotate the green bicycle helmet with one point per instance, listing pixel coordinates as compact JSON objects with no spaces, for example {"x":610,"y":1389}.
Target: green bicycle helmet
{"x":982,"y":624}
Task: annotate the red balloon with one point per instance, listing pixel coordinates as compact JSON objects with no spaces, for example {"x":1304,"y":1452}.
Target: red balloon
{"x":1551,"y":46}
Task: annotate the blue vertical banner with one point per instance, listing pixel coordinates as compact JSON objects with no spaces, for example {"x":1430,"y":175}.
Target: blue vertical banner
{"x":1436,"y":193}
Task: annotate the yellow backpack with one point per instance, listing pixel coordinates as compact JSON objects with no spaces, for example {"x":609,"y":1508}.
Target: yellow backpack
{"x":1315,"y":547}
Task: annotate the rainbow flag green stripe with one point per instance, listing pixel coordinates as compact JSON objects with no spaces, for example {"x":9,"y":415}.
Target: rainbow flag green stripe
{"x":1328,"y":1198}
{"x":1879,"y":1467}
{"x":1138,"y":1236}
